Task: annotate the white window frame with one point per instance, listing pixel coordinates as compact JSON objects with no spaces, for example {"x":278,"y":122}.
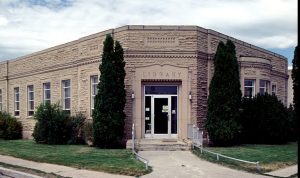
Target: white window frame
{"x":265,"y":87}
{"x":93,"y":95}
{"x":64,"y":94}
{"x":1,"y":102}
{"x":45,"y":90}
{"x":17,"y":102}
{"x":253,"y":87}
{"x":30,"y":108}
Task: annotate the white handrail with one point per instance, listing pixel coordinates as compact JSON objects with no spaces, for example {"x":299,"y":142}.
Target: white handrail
{"x":139,"y":157}
{"x":228,"y":157}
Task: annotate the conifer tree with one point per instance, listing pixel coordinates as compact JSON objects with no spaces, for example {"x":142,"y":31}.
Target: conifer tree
{"x":108,"y":115}
{"x":296,"y":89}
{"x":224,"y":98}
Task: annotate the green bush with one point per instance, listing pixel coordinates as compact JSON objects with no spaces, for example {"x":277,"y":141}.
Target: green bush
{"x":264,"y":120}
{"x":88,"y":133}
{"x":55,"y":126}
{"x":75,"y":126}
{"x":10,"y":128}
{"x":51,"y":126}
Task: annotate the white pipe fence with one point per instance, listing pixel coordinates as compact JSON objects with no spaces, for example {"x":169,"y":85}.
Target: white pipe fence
{"x":137,"y":156}
{"x":228,"y":157}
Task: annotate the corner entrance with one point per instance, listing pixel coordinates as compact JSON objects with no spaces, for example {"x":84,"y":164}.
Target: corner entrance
{"x":161,"y":111}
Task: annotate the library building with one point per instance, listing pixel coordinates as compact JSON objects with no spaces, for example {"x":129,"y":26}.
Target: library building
{"x":168,"y":72}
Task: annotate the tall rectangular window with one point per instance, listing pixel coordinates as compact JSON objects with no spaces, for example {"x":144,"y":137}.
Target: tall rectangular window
{"x":66,"y":94}
{"x":264,"y":86}
{"x":274,"y":89}
{"x":47,"y":92}
{"x":1,"y":100}
{"x":30,"y":98}
{"x":94,"y":83}
{"x":17,"y":101}
{"x":249,"y":88}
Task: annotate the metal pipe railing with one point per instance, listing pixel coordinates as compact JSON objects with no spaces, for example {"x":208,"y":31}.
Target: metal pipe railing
{"x":137,"y":156}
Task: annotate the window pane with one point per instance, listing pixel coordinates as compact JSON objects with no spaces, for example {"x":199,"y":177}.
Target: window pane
{"x":31,"y":96}
{"x":47,"y":94}
{"x":66,"y":83}
{"x":262,"y":83}
{"x":17,"y":106}
{"x":67,"y":103}
{"x":147,"y":114}
{"x":67,"y":92}
{"x":174,"y":115}
{"x":47,"y":85}
{"x":161,"y":90}
{"x":31,"y":105}
{"x":248,"y":82}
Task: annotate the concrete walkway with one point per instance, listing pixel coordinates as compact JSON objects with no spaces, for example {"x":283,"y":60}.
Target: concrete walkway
{"x":165,"y":164}
{"x":184,"y":164}
{"x":57,"y":169}
{"x":285,"y":172}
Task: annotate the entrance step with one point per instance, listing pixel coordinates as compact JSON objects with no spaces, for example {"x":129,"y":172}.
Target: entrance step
{"x":159,"y":145}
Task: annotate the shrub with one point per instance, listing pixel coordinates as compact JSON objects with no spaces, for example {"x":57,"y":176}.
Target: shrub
{"x":264,"y":120}
{"x":75,"y":126}
{"x":51,"y":126}
{"x":10,"y":128}
{"x":55,"y":126}
{"x":88,"y":133}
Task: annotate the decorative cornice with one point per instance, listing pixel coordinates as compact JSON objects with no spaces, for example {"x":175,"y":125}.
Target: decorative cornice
{"x":80,"y":62}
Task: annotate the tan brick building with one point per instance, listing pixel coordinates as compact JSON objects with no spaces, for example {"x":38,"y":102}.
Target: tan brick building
{"x":168,"y":70}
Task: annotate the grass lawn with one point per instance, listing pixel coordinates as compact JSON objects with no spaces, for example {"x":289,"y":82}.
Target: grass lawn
{"x":118,"y":161}
{"x":270,"y":157}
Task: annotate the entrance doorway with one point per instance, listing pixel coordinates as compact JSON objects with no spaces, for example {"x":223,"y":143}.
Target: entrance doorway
{"x":161,"y":111}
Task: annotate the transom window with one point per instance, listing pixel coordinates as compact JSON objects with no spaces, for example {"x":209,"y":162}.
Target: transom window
{"x":249,"y":88}
{"x":47,"y":92}
{"x":264,"y":86}
{"x":17,"y":101}
{"x":1,"y":100}
{"x":161,"y":90}
{"x":30,"y":98}
{"x":94,"y":83}
{"x":66,"y":91}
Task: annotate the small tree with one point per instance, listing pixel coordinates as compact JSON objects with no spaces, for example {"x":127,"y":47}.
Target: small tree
{"x":296,"y":88}
{"x":108,"y":115}
{"x":224,"y":97}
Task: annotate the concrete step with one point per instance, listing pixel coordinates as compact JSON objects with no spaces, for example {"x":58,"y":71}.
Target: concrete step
{"x":159,"y":145}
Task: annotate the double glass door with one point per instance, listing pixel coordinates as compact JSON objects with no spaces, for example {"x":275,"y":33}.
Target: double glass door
{"x":161,"y":116}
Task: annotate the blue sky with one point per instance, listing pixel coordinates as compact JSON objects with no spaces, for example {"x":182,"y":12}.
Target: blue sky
{"x":28,"y":26}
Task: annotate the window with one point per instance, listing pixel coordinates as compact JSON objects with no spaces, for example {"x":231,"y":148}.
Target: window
{"x":264,"y":86}
{"x":274,"y":89}
{"x":66,"y":91}
{"x":249,"y":88}
{"x":30,"y":98}
{"x":47,"y":92}
{"x":94,"y":82}
{"x":17,"y":101}
{"x":0,"y":100}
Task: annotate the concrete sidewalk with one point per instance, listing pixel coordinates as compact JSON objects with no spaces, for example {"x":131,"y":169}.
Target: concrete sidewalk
{"x":57,"y":169}
{"x":285,"y":172}
{"x":184,"y":164}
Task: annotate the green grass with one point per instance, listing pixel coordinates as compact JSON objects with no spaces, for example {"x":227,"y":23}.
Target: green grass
{"x":118,"y":161}
{"x":270,"y":157}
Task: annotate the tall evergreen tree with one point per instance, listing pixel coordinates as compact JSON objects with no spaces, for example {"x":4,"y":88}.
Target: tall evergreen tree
{"x":296,"y":88}
{"x":224,"y":98}
{"x":108,"y":115}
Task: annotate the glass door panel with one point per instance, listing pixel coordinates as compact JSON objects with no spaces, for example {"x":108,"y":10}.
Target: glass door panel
{"x":161,"y":115}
